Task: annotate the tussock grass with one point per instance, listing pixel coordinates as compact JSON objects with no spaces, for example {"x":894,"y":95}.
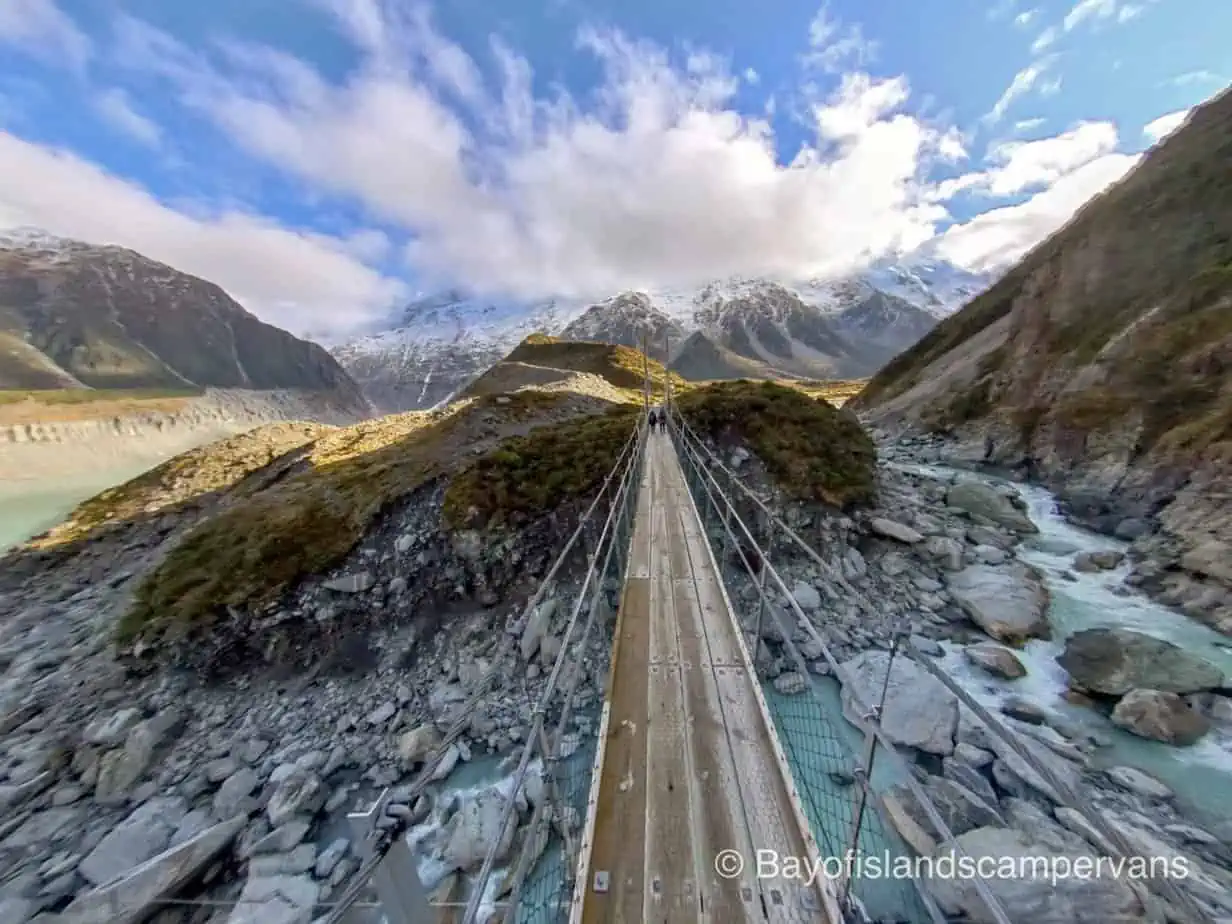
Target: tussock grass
{"x":812,"y":450}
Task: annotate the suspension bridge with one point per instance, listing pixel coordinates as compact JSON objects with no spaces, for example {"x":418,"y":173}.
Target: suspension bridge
{"x":696,"y":770}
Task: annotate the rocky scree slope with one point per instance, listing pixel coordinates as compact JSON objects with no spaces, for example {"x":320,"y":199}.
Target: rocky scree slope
{"x":1102,"y":364}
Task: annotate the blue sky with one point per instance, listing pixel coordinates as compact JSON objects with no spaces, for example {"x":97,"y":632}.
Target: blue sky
{"x":324,"y":160}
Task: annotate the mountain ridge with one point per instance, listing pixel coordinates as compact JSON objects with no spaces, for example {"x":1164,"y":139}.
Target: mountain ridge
{"x":443,"y":341}
{"x":1102,"y":365}
{"x":78,"y":315}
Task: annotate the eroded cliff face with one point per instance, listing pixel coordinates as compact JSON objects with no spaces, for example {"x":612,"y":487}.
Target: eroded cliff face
{"x":1102,"y":366}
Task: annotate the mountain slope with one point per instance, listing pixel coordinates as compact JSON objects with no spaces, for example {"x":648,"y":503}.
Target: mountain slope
{"x":1103,"y":361}
{"x":884,"y":325}
{"x":701,"y":359}
{"x":770,"y":324}
{"x":626,"y":319}
{"x":106,"y":317}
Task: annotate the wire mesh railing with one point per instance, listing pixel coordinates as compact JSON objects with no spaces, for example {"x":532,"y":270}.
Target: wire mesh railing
{"x":553,"y":772}
{"x":810,"y":735}
{"x":833,"y":769}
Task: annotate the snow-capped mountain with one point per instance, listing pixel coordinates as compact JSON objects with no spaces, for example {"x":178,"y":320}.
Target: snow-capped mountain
{"x":816,"y":328}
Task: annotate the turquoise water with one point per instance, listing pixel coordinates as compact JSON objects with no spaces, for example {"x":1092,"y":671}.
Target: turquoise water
{"x":28,"y":508}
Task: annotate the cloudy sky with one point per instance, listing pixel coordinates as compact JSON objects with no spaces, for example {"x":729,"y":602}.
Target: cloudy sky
{"x":324,"y":160}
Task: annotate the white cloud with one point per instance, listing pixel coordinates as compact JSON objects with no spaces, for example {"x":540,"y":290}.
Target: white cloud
{"x":1044,"y":40}
{"x":834,"y":46}
{"x":1022,"y":165}
{"x":295,"y":279}
{"x":1022,"y":83}
{"x":996,"y":239}
{"x":1165,"y":125}
{"x":1025,"y":125}
{"x":40,"y":28}
{"x":1026,"y":17}
{"x":1200,"y":76}
{"x":656,"y":180}
{"x":115,"y":107}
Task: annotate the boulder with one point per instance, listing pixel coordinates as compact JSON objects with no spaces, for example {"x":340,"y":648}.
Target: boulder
{"x":143,"y":834}
{"x":948,"y":552}
{"x":135,"y":895}
{"x":1160,"y":716}
{"x":1136,"y":781}
{"x":1009,"y":603}
{"x":120,"y":770}
{"x":475,"y":827}
{"x":417,"y":745}
{"x":1115,"y":661}
{"x":299,"y":793}
{"x":791,"y":683}
{"x":959,"y":807}
{"x":998,"y":661}
{"x":983,"y":500}
{"x":1212,"y":559}
{"x":919,"y":711}
{"x":806,"y":596}
{"x":276,"y":900}
{"x":891,"y":529}
{"x":536,"y":627}
{"x":1026,"y":884}
{"x":351,"y":583}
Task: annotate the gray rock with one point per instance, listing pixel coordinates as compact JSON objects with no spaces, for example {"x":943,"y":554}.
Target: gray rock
{"x":143,"y":834}
{"x":474,"y":828}
{"x":233,"y":796}
{"x":284,"y":839}
{"x":276,"y":900}
{"x":1115,"y":661}
{"x":109,"y":731}
{"x":919,"y":711}
{"x":1132,"y":528}
{"x":131,"y":898}
{"x":1030,"y":891}
{"x":893,"y":530}
{"x":972,"y":756}
{"x":1160,"y":716}
{"x":791,"y":683}
{"x":970,"y":778}
{"x":330,"y":857}
{"x":381,"y":714}
{"x":1009,"y":603}
{"x":300,"y":793}
{"x":1136,"y":781}
{"x":996,"y":660}
{"x":959,"y":807}
{"x":947,"y":551}
{"x":1212,"y":559}
{"x":982,"y":500}
{"x":806,"y":596}
{"x":990,"y":554}
{"x":120,"y":770}
{"x":351,"y":583}
{"x":416,"y":745}
{"x":536,"y":627}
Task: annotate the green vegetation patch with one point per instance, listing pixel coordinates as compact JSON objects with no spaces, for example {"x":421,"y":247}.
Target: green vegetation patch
{"x":529,"y":475}
{"x":248,"y":554}
{"x":813,"y":451}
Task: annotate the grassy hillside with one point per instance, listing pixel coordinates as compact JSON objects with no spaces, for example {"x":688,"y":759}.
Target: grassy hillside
{"x":1121,"y":319}
{"x":811,"y":450}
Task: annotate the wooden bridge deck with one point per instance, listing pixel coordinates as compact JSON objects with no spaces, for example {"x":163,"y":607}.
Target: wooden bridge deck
{"x":691,"y":769}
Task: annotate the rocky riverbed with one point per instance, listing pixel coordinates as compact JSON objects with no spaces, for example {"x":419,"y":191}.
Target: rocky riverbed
{"x":954,"y":561}
{"x":126,"y":785}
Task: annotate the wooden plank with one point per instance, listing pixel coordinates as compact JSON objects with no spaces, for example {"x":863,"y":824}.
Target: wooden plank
{"x":620,"y":830}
